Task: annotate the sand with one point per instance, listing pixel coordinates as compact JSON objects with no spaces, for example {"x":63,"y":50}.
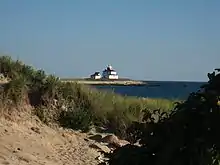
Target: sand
{"x":30,"y":142}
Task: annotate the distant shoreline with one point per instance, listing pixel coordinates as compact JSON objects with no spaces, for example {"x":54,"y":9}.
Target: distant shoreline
{"x":121,"y":82}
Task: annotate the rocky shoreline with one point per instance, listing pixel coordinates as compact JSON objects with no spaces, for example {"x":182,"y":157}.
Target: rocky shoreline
{"x":108,"y":82}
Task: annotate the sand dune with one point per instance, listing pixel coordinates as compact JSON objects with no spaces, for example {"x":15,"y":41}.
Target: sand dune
{"x":32,"y":143}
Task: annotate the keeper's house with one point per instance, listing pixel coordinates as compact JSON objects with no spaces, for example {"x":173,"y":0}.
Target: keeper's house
{"x":96,"y":76}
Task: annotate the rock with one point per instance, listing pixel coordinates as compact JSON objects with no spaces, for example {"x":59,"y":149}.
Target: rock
{"x":102,"y":160}
{"x":113,"y":140}
{"x":137,"y":143}
{"x":103,"y":148}
{"x":123,"y":142}
{"x":96,"y":137}
{"x":109,"y":139}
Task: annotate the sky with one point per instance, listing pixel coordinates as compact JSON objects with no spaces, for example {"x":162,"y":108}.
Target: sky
{"x":142,"y":39}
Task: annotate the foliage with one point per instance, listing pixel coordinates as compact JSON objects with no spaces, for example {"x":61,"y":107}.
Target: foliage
{"x":189,"y":135}
{"x":16,"y":90}
{"x":70,"y":104}
{"x":77,"y":119}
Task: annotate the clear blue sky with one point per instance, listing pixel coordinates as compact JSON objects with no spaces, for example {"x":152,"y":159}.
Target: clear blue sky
{"x":142,"y":39}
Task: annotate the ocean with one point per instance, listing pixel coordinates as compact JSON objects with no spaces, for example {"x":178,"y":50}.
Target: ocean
{"x":156,"y":89}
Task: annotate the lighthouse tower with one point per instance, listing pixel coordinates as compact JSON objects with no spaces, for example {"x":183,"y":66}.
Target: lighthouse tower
{"x":109,"y":73}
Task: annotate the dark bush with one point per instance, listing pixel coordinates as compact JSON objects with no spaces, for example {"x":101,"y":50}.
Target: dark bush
{"x":189,"y":135}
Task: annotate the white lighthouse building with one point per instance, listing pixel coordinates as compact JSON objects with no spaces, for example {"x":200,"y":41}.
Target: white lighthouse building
{"x":109,"y":73}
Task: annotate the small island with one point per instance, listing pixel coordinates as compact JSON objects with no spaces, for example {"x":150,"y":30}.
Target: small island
{"x":109,"y":76}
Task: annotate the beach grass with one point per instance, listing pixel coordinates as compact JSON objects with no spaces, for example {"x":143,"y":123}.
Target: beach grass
{"x":71,"y":104}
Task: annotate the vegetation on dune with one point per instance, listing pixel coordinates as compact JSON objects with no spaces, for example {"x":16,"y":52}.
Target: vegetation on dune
{"x":188,"y":135}
{"x":182,"y":134}
{"x":70,"y":104}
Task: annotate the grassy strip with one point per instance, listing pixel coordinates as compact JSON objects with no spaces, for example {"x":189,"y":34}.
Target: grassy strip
{"x":72,"y":105}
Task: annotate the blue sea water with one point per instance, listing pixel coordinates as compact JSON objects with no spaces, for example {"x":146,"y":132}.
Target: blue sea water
{"x":157,"y":89}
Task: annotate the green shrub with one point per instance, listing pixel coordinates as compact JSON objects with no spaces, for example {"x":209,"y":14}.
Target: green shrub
{"x":77,"y":119}
{"x":16,"y":90}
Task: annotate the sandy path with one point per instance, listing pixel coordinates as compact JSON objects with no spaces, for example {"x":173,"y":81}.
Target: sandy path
{"x":32,"y":143}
